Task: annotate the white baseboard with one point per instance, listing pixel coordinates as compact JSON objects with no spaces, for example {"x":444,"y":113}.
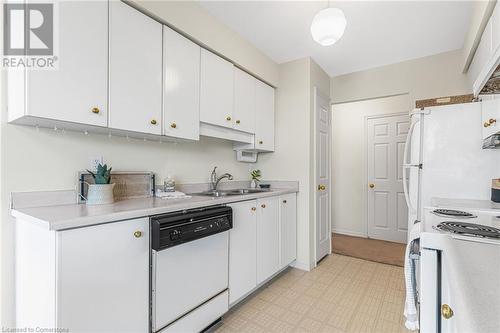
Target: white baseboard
{"x":301,"y":265}
{"x":349,"y":232}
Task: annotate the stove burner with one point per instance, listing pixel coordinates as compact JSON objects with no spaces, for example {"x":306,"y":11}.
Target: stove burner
{"x":469,"y":229}
{"x":453,"y":213}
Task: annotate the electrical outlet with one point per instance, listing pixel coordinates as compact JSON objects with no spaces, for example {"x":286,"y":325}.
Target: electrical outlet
{"x":94,"y":162}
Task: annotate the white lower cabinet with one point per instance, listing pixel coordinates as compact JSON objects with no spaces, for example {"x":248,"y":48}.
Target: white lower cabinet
{"x":288,"y":229}
{"x":102,"y":277}
{"x":268,"y":237}
{"x":243,"y":250}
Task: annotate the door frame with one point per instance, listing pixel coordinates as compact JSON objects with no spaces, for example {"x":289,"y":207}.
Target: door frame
{"x":365,"y":163}
{"x":318,"y":92}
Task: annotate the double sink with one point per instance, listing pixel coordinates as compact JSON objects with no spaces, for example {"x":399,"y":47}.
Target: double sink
{"x":223,"y":193}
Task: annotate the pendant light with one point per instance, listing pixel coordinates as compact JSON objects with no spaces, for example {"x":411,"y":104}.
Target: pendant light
{"x":328,"y":26}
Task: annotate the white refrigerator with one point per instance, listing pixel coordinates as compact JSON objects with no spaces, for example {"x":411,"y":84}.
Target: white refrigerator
{"x":443,"y":157}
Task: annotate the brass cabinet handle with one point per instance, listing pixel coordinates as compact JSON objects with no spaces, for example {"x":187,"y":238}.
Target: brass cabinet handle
{"x":137,"y":234}
{"x":486,"y":124}
{"x":284,"y":201}
{"x":446,"y":311}
{"x":237,"y":121}
{"x":95,"y":110}
{"x":371,"y":185}
{"x":261,"y":142}
{"x":228,"y":118}
{"x":321,"y":187}
{"x":173,"y":125}
{"x":254,"y":209}
{"x":490,"y":122}
{"x":153,"y":122}
{"x":263,"y":205}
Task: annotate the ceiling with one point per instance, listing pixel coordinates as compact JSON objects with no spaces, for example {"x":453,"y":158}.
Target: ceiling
{"x":378,"y":32}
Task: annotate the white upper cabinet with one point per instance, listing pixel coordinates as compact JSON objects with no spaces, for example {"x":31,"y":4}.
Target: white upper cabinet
{"x":135,"y":75}
{"x":181,"y":105}
{"x":244,"y":101}
{"x":77,"y":90}
{"x":264,"y":111}
{"x":490,"y":115}
{"x":216,"y":95}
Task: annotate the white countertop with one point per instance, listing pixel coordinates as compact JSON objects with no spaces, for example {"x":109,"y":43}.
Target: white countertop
{"x":466,"y":204}
{"x":70,"y":216}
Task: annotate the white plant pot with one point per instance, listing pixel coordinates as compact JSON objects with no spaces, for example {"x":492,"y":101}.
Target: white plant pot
{"x":100,"y":194}
{"x":253,"y":183}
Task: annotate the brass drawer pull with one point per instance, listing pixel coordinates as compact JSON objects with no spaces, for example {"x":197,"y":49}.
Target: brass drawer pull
{"x":153,"y":122}
{"x":95,"y":110}
{"x":254,"y":209}
{"x":237,"y":121}
{"x":137,"y":234}
{"x":173,"y":125}
{"x":263,"y":205}
{"x":228,"y":118}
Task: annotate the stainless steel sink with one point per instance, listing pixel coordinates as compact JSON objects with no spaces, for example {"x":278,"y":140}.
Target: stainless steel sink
{"x":223,"y":193}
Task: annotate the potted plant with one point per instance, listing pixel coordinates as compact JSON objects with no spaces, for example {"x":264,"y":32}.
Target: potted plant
{"x":102,"y":191}
{"x":256,"y":175}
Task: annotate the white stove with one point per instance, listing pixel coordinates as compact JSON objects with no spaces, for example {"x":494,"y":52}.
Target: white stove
{"x":460,"y":267}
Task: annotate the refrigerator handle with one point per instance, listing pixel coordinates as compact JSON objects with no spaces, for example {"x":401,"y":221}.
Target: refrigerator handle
{"x":406,"y":166}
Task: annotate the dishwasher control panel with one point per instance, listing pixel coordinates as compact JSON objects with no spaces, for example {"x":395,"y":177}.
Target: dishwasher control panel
{"x":180,"y":227}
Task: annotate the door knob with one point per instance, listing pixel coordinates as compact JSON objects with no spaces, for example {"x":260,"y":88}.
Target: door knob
{"x":137,"y":234}
{"x":321,"y":187}
{"x":446,"y":311}
{"x":95,"y":110}
{"x":371,"y":185}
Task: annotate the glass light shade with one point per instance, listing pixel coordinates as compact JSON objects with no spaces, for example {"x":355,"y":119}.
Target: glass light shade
{"x":328,"y":26}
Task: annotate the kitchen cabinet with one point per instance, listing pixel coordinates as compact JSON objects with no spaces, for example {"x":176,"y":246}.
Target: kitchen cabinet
{"x":490,"y":115}
{"x":135,"y":70}
{"x":264,"y":104}
{"x":101,"y":268}
{"x":75,"y":91}
{"x":288,"y":229}
{"x":268,"y":238}
{"x":216,"y":94}
{"x":244,"y":101}
{"x":243,"y":250}
{"x":181,"y":109}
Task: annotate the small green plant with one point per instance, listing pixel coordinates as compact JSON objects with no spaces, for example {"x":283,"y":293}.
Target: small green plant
{"x":102,"y":174}
{"x":255,"y":174}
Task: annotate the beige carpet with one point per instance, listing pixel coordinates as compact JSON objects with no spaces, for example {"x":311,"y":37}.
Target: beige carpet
{"x":342,"y":294}
{"x":369,"y":249}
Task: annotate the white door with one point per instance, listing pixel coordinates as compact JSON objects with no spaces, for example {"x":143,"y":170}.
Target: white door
{"x":264,"y":125}
{"x":323,"y":234}
{"x":103,"y":277}
{"x":181,"y":107}
{"x":77,"y":90}
{"x":288,"y":229}
{"x":243,"y":250}
{"x":216,"y":94}
{"x":135,"y":65}
{"x":244,"y":101}
{"x":268,"y":250}
{"x":387,"y":209}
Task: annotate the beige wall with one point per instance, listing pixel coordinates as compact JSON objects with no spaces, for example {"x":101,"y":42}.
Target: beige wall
{"x":193,"y":20}
{"x":433,"y":76}
{"x":349,"y":164}
{"x":46,"y":160}
{"x":293,"y":158}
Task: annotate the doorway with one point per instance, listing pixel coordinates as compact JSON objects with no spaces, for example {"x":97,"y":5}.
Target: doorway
{"x":387,"y":213}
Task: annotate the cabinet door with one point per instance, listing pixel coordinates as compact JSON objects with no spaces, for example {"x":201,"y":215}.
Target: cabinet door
{"x":264,"y":130}
{"x":495,"y":28}
{"x":103,"y":277}
{"x":77,"y":90}
{"x":288,"y":229}
{"x":243,"y":250}
{"x":490,"y":114}
{"x":181,"y":108}
{"x":135,"y":75}
{"x":268,"y":242}
{"x":244,"y":101}
{"x":216,"y":95}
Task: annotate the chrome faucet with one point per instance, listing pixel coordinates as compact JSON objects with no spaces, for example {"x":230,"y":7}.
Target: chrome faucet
{"x":214,"y":180}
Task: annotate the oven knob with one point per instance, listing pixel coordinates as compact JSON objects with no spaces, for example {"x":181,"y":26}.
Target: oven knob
{"x":176,"y":234}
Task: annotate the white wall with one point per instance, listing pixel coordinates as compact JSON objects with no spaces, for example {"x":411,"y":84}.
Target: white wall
{"x":428,"y":77}
{"x":45,"y":160}
{"x":349,"y":165}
